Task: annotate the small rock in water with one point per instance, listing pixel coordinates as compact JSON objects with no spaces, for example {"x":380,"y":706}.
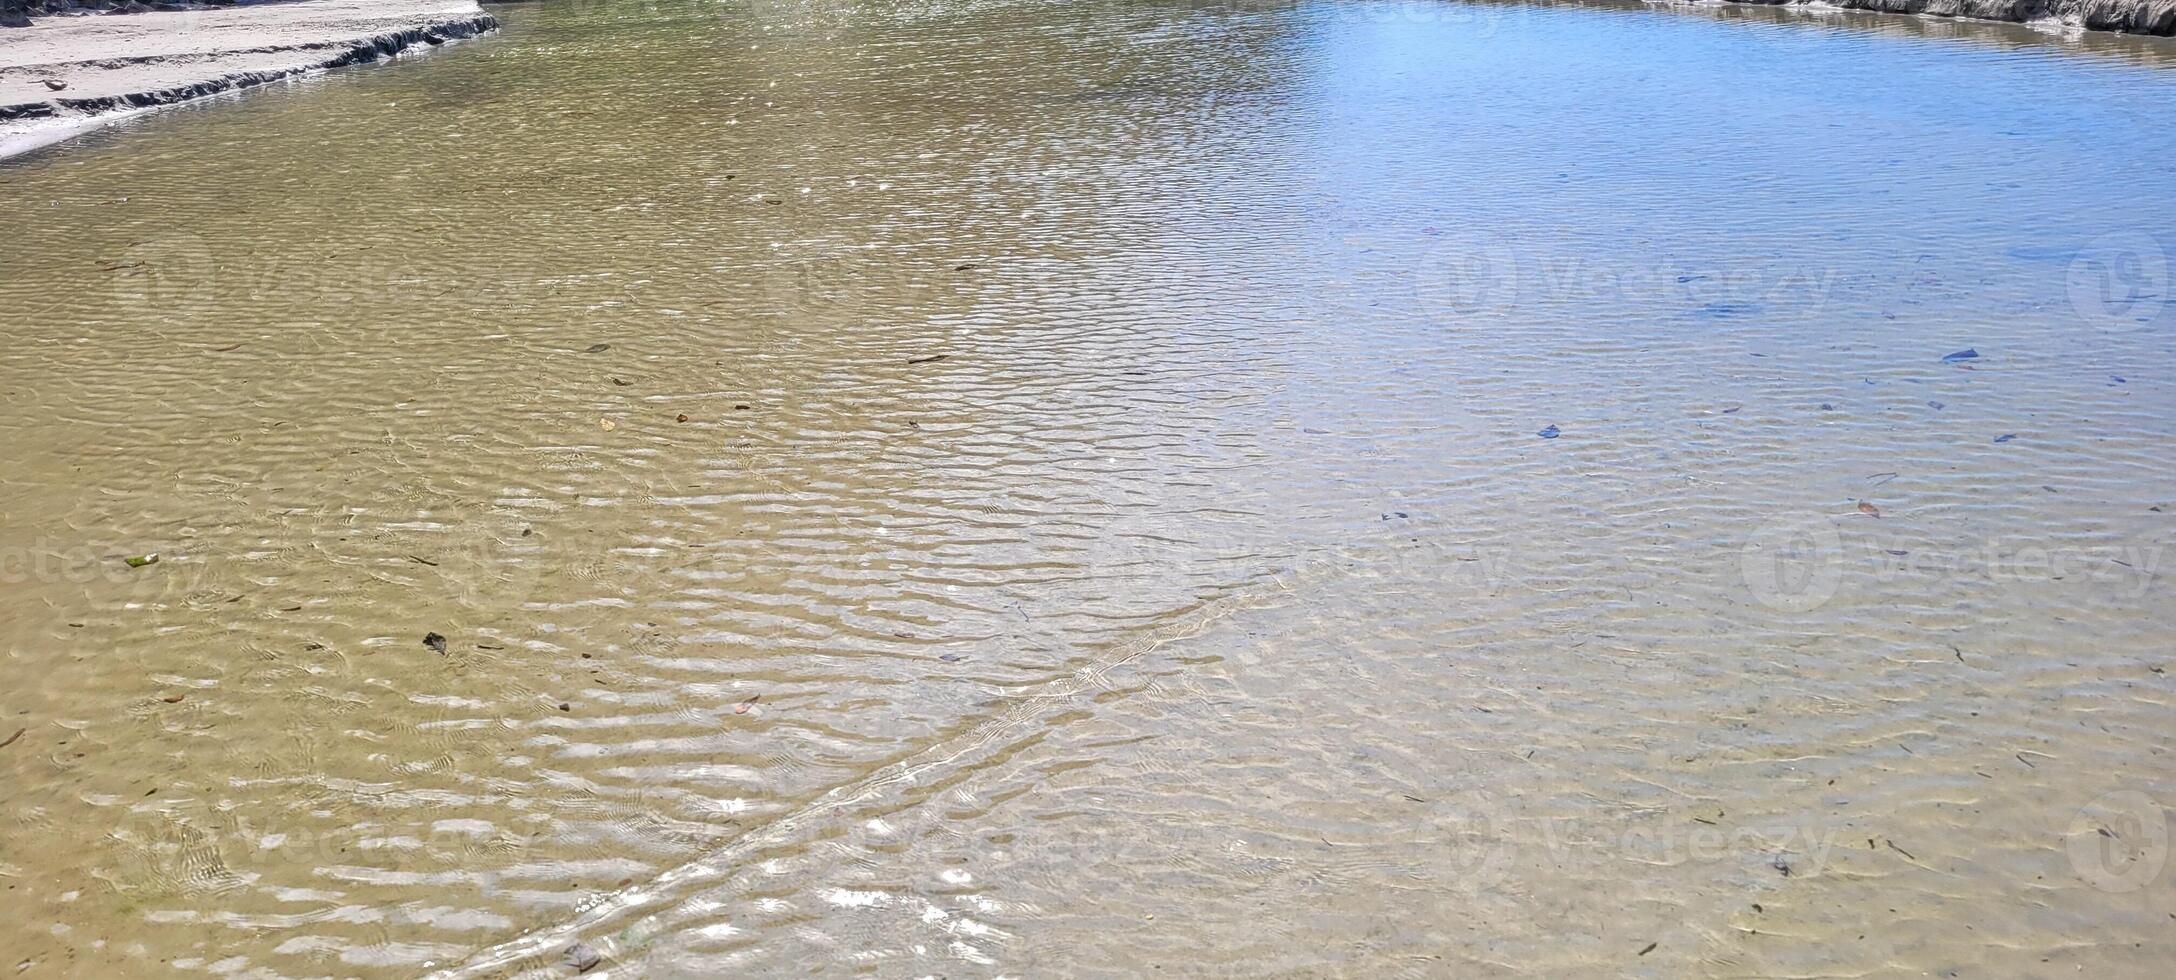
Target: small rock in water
{"x":435,"y":642}
{"x":1550,"y":433}
{"x":1963,"y":355}
{"x":583,"y":957}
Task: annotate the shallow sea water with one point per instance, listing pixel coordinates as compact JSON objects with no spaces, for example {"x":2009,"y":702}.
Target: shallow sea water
{"x":979,"y":488}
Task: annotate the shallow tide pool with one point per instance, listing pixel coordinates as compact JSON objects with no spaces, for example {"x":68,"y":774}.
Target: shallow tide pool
{"x":1031,"y":488}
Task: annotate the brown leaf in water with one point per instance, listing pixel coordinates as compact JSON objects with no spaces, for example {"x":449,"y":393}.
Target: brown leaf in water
{"x":742,"y":708}
{"x":680,"y":418}
{"x":175,"y":698}
{"x":1869,"y":509}
{"x":11,"y":739}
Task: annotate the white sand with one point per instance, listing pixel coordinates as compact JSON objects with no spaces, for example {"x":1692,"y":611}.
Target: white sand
{"x":161,"y":58}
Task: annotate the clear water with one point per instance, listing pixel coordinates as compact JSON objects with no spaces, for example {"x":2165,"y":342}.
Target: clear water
{"x":1110,"y":531}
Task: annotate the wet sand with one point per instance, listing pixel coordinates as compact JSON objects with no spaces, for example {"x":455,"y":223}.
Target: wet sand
{"x":110,"y":67}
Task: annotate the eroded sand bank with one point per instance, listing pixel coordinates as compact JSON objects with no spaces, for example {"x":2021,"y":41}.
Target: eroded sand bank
{"x":64,"y":75}
{"x":2128,"y":16}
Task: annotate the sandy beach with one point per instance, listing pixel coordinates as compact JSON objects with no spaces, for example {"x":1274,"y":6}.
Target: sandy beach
{"x":64,"y":75}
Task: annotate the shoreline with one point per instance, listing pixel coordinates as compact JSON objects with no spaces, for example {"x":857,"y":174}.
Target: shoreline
{"x":2150,"y":18}
{"x":113,"y":68}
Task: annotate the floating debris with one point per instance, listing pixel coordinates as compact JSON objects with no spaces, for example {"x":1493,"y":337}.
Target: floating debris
{"x":1551,"y":432}
{"x":583,"y":957}
{"x":1650,"y":948}
{"x":1966,"y":354}
{"x":745,"y":706}
{"x":435,"y":642}
{"x":596,"y":348}
{"x":1869,"y":509}
{"x":2006,"y":437}
{"x":139,"y":561}
{"x":175,"y":698}
{"x":607,"y":424}
{"x":11,"y":739}
{"x":682,"y":417}
{"x":931,"y":359}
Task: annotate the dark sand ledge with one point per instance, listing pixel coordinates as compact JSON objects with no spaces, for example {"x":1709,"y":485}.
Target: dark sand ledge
{"x":108,"y":68}
{"x":2128,"y":16}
